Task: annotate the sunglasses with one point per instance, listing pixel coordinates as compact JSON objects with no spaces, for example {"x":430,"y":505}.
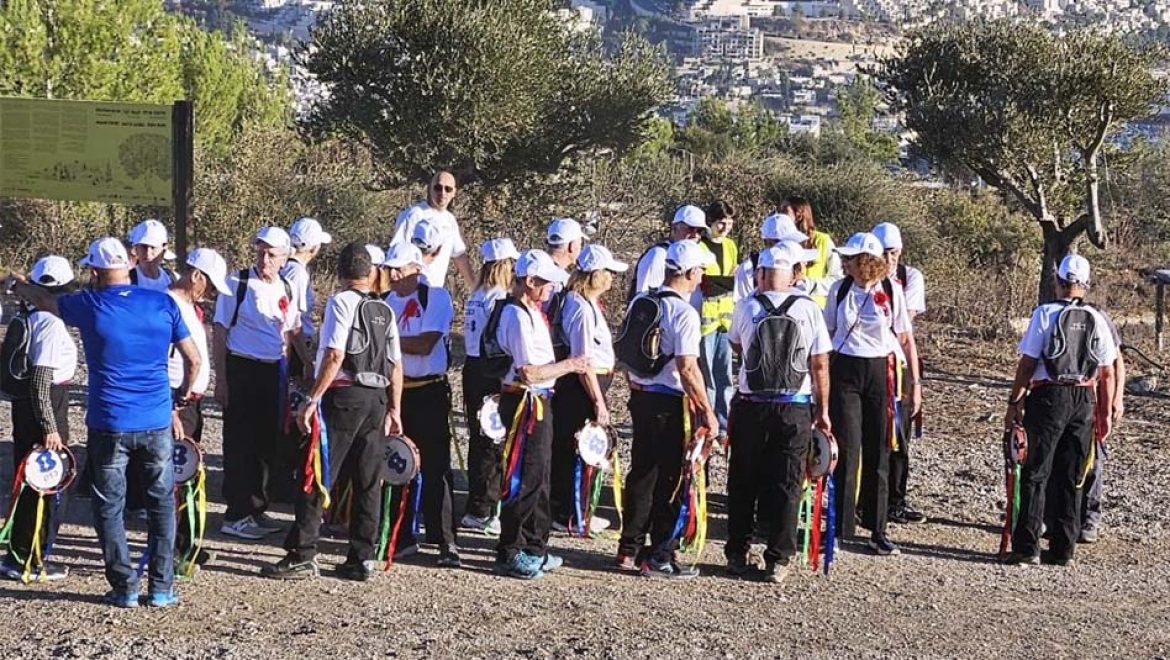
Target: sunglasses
{"x":438,"y":187}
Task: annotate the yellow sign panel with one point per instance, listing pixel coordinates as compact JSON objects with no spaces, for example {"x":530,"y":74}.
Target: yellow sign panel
{"x":85,"y":151}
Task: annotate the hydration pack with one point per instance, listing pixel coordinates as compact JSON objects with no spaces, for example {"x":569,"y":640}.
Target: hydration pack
{"x":367,"y":351}
{"x":1073,"y":353}
{"x":15,"y":364}
{"x":632,"y":292}
{"x":638,"y":347}
{"x":495,"y":360}
{"x":777,"y":361}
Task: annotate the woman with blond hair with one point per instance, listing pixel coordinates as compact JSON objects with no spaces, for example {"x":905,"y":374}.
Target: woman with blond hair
{"x":822,"y":273}
{"x":581,"y":330}
{"x":868,"y":321}
{"x":483,"y":455}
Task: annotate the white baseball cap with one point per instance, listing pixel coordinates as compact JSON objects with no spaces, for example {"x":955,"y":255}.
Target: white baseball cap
{"x":1074,"y":269}
{"x":106,"y":254}
{"x":781,"y":227}
{"x":691,"y":216}
{"x":51,"y":271}
{"x":307,"y":233}
{"x":400,"y":255}
{"x":562,"y":231}
{"x":789,"y":252}
{"x":776,"y":258}
{"x":149,"y":232}
{"x":377,"y":254}
{"x":498,"y":249}
{"x":683,"y":256}
{"x":208,"y":262}
{"x":861,"y":243}
{"x":427,"y":237}
{"x":889,"y":235}
{"x":274,"y":236}
{"x":798,"y":252}
{"x":596,"y":257}
{"x":537,"y":263}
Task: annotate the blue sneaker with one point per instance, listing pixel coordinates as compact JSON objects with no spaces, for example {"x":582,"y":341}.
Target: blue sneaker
{"x":551,"y":562}
{"x":525,"y":567}
{"x":162,"y":599}
{"x":120,"y":599}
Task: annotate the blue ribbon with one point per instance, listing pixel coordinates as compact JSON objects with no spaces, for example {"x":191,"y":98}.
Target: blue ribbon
{"x":899,"y":432}
{"x":778,"y":398}
{"x":683,"y":512}
{"x":577,"y":499}
{"x":656,"y":388}
{"x":417,"y":499}
{"x":831,"y":536}
{"x":324,"y":448}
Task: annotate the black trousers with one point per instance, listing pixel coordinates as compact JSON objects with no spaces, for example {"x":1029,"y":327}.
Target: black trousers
{"x":524,"y":522}
{"x":353,"y":421}
{"x":191,"y":417}
{"x":857,"y":408}
{"x":426,"y":414}
{"x":26,"y":433}
{"x":1059,"y":421}
{"x":769,"y":452}
{"x":252,"y":426}
{"x":483,"y":455}
{"x":900,"y":458}
{"x":656,"y":463}
{"x":572,"y":408}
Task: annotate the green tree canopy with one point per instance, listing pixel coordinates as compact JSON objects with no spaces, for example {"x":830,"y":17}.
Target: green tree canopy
{"x":492,"y":88}
{"x":1026,"y":110}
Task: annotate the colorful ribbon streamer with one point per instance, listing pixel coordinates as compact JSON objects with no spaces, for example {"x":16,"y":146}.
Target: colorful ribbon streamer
{"x":316,"y":468}
{"x":528,"y":413}
{"x":831,"y":523}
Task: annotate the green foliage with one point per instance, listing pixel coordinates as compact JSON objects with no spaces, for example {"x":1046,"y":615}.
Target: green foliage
{"x":495,"y":88}
{"x":132,"y":50}
{"x":715,"y":130}
{"x":858,"y":104}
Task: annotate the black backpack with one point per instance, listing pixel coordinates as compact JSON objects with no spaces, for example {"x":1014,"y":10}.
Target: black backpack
{"x":15,"y":365}
{"x":631,"y":293}
{"x":777,"y":361}
{"x":493,"y":358}
{"x":1074,"y":347}
{"x":638,"y":347}
{"x":887,"y":286}
{"x":367,"y":351}
{"x":242,"y":290}
{"x":166,"y":271}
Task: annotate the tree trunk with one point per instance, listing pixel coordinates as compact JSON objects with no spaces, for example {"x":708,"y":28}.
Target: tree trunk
{"x":1057,"y":243}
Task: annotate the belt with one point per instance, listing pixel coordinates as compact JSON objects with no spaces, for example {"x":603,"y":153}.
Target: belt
{"x":1037,"y":384}
{"x":777,"y":398}
{"x":253,"y":359}
{"x":655,"y":388}
{"x":415,"y":383}
{"x":512,"y":388}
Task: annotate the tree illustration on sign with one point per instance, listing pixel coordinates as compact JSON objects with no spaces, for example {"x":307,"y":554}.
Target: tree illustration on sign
{"x":146,"y":156}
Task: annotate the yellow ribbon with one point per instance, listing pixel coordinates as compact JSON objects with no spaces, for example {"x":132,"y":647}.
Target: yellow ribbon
{"x":1090,"y":460}
{"x":36,"y":546}
{"x":701,"y":520}
{"x":617,"y":488}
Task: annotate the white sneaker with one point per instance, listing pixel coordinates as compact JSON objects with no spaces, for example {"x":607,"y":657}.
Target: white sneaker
{"x":598,"y":525}
{"x":407,"y":551}
{"x":244,"y":528}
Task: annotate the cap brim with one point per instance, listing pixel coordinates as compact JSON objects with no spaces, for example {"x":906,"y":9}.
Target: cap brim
{"x":326,"y":237}
{"x":617,"y":266}
{"x":848,"y":251}
{"x":400,"y":263}
{"x":170,"y":256}
{"x":85,"y":261}
{"x":554,"y":275}
{"x":219,"y":283}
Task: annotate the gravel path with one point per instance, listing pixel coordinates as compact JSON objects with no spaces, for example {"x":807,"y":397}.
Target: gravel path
{"x":944,"y":597}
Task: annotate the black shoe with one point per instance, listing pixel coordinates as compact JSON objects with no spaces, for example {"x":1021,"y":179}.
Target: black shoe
{"x":1021,"y":559}
{"x":291,"y":569}
{"x":668,"y":569}
{"x":1051,"y":558}
{"x":449,"y":558}
{"x":204,"y":557}
{"x":882,"y":547}
{"x":905,"y":515}
{"x":356,"y":571}
{"x":738,"y":566}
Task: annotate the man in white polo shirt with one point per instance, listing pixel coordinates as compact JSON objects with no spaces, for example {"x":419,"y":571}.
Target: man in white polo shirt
{"x":307,"y":238}
{"x":149,"y":239}
{"x":253,"y":329}
{"x":440,"y":194}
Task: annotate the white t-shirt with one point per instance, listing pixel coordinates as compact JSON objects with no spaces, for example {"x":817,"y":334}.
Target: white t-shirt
{"x":681,"y":337}
{"x":651,"y":270}
{"x":336,"y":325}
{"x":414,"y":320}
{"x":745,"y":281}
{"x":860,"y":327}
{"x":435,"y":273}
{"x":476,"y":311}
{"x":160,"y":283}
{"x":266,"y":314}
{"x":298,"y":276}
{"x":914,"y":289}
{"x":524,"y":335}
{"x":49,"y":345}
{"x":1043,"y":322}
{"x":199,"y":336}
{"x":586,"y":331}
{"x":804,"y":311}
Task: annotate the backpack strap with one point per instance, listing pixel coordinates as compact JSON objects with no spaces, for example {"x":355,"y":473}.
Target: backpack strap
{"x":766,"y":303}
{"x":134,"y":276}
{"x":901,"y":273}
{"x":170,"y":273}
{"x":241,"y":291}
{"x":424,"y":294}
{"x":788,"y":303}
{"x":888,"y":286}
{"x":843,"y":290}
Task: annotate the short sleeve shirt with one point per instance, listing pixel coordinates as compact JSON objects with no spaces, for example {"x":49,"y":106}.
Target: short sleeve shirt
{"x":476,"y":311}
{"x":914,"y":289}
{"x":586,"y":331}
{"x":175,"y":367}
{"x":680,"y":338}
{"x":861,"y":326}
{"x":160,"y":283}
{"x":49,"y":345}
{"x":336,"y":325}
{"x":804,"y":311}
{"x":266,"y":314}
{"x":298,"y":276}
{"x":434,"y":273}
{"x":414,"y":320}
{"x":127,"y":332}
{"x":524,"y":336}
{"x":651,"y":270}
{"x":1039,"y":333}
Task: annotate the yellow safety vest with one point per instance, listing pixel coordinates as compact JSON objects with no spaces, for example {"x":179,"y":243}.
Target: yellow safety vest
{"x":820,"y":268}
{"x":718,"y":306}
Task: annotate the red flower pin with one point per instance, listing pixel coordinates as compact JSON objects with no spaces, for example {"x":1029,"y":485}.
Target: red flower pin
{"x":283,"y":304}
{"x":881,"y":299}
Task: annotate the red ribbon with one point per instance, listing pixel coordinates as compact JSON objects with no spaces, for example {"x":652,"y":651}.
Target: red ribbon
{"x":815,"y":543}
{"x":307,"y":482}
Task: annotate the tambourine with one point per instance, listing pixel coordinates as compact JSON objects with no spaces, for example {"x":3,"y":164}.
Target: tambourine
{"x":1015,"y":445}
{"x":489,"y":419}
{"x":49,"y":472}
{"x":187,"y":459}
{"x":593,"y":446}
{"x":822,"y":455}
{"x":402,"y":461}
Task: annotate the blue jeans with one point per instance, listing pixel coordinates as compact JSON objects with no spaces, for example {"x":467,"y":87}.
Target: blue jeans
{"x":715,"y":361}
{"x":151,"y":454}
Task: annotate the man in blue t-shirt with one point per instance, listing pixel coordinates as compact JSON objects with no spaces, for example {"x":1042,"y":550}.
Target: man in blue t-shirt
{"x":127,"y":333}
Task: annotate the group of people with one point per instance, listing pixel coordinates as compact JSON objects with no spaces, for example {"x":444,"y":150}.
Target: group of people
{"x":824,"y":336}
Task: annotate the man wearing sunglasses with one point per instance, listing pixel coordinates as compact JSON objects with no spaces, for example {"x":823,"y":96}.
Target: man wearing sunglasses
{"x":435,"y":208}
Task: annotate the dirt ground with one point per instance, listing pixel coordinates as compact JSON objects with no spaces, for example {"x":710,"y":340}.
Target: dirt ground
{"x":945,"y":596}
